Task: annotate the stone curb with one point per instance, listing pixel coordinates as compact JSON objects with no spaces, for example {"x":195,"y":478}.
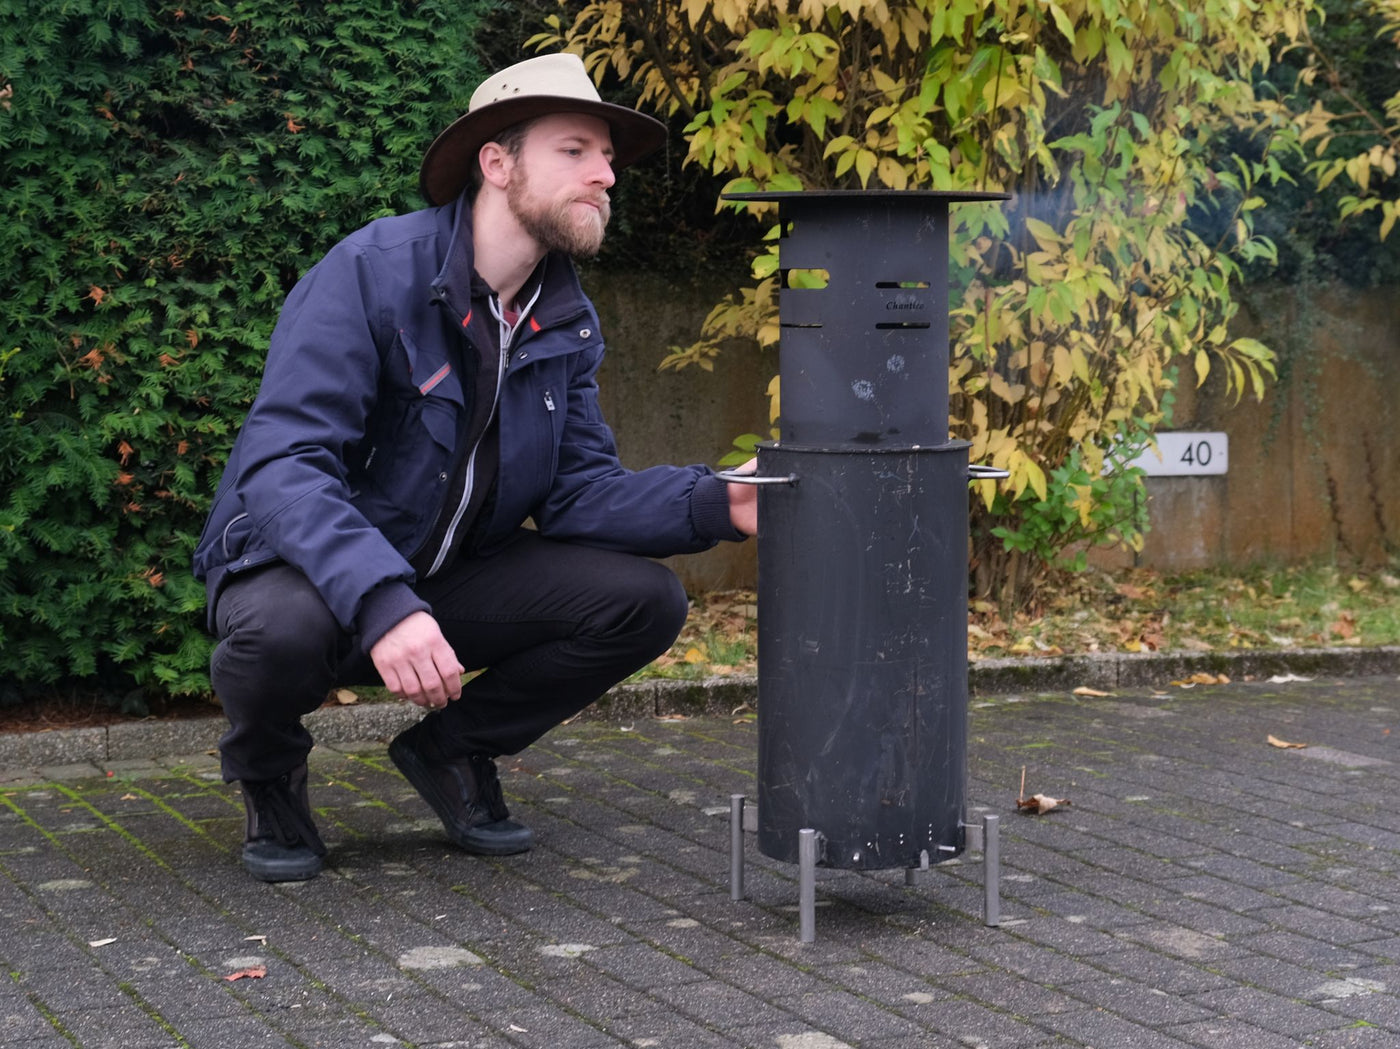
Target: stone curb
{"x":715,"y":696}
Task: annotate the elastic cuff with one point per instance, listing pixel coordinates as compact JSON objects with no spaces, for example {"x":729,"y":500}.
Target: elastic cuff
{"x":385,"y":607}
{"x":709,"y":510}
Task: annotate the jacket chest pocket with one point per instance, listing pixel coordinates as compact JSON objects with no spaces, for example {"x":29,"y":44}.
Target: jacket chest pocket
{"x":413,"y":432}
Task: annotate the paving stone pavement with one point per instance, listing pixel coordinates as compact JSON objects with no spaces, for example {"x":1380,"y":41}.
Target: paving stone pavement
{"x":1204,"y":888}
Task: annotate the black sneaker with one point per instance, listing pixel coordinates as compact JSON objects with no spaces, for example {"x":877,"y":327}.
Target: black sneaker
{"x":464,"y":792}
{"x":280,"y":842}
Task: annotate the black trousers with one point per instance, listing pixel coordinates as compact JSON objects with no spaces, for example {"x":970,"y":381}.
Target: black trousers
{"x":551,"y":625}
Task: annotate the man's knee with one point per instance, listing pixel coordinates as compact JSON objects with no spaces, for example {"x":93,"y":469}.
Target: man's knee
{"x":656,"y":605}
{"x":274,"y":628}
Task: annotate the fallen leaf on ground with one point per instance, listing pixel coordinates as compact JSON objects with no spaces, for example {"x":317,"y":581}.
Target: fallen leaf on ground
{"x":259,"y":938}
{"x":1283,"y":679}
{"x":1202,"y":678}
{"x":256,"y":972}
{"x":1085,"y":690}
{"x":1040,"y":804}
{"x":1283,"y":744}
{"x":345,"y":697}
{"x":102,"y":943}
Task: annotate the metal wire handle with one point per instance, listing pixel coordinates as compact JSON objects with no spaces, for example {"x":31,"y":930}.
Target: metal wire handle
{"x":977,"y":472}
{"x":738,"y":478}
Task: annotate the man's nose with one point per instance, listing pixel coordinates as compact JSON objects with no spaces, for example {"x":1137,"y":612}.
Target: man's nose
{"x":601,"y":172}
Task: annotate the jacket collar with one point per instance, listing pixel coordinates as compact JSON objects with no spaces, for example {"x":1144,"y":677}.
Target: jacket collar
{"x":561,"y":295}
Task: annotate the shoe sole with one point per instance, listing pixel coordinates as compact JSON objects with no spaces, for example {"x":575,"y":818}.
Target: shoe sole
{"x":418,"y":776}
{"x":283,"y":870}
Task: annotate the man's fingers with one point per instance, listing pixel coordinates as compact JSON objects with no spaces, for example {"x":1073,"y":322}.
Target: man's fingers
{"x":416,"y":662}
{"x":450,"y":672}
{"x":391,"y":680}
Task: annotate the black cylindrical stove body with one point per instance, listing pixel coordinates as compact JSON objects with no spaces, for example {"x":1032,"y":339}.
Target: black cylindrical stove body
{"x":862,"y":667}
{"x":862,"y":579}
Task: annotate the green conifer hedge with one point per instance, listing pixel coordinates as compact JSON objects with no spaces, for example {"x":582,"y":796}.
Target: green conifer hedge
{"x":167,"y":171}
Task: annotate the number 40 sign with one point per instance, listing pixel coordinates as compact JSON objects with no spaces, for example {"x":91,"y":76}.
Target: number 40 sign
{"x":1186,"y":454}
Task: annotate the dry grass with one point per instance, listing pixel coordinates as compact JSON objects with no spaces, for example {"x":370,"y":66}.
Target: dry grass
{"x":1279,"y":607}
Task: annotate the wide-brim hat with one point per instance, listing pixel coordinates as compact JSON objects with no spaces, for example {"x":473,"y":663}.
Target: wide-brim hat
{"x":536,"y":87}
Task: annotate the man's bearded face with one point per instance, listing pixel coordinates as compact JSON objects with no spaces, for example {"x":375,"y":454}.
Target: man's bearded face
{"x":572,"y":220}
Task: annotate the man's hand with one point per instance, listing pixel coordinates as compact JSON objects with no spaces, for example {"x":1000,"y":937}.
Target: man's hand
{"x":417,"y":663}
{"x":743,"y":501}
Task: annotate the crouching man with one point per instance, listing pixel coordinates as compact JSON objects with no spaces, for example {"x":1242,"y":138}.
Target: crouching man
{"x":429,"y":387}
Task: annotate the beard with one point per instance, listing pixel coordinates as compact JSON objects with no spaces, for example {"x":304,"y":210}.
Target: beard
{"x":559,"y":225}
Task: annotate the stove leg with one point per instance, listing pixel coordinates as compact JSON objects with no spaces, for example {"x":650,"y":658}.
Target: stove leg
{"x":911,"y":874}
{"x":736,"y":847}
{"x":991,"y":870}
{"x":807,"y":885}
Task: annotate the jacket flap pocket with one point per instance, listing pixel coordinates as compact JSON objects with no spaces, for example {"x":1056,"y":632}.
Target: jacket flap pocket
{"x":432,"y":374}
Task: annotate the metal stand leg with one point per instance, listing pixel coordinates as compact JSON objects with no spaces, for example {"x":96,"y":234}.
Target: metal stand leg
{"x":736,"y":847}
{"x":911,"y":874}
{"x":991,"y":870}
{"x":807,"y":885}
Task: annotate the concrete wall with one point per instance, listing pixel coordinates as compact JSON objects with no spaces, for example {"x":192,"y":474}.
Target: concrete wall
{"x":691,"y":416}
{"x":1314,"y":467}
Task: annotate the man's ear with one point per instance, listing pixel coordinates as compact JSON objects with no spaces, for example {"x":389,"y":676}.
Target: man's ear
{"x":495,"y":163}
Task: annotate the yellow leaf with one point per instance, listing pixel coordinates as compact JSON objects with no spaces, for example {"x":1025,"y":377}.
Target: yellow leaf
{"x":1035,"y":476}
{"x":345,"y":697}
{"x":892,"y":173}
{"x":1085,"y":690}
{"x":1202,"y":678}
{"x":1274,"y":741}
{"x":865,"y":165}
{"x":1044,"y":233}
{"x":694,"y":655}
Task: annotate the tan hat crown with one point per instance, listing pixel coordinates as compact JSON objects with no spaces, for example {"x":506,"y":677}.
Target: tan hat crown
{"x":560,"y":76}
{"x":533,"y":88}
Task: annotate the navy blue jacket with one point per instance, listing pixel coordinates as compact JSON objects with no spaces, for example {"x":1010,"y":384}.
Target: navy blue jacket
{"x":343,"y":463}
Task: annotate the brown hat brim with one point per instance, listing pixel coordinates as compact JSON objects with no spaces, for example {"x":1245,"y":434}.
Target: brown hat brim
{"x":448,"y":163}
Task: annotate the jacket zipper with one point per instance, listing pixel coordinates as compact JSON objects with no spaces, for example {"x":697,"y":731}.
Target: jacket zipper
{"x":507,"y":338}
